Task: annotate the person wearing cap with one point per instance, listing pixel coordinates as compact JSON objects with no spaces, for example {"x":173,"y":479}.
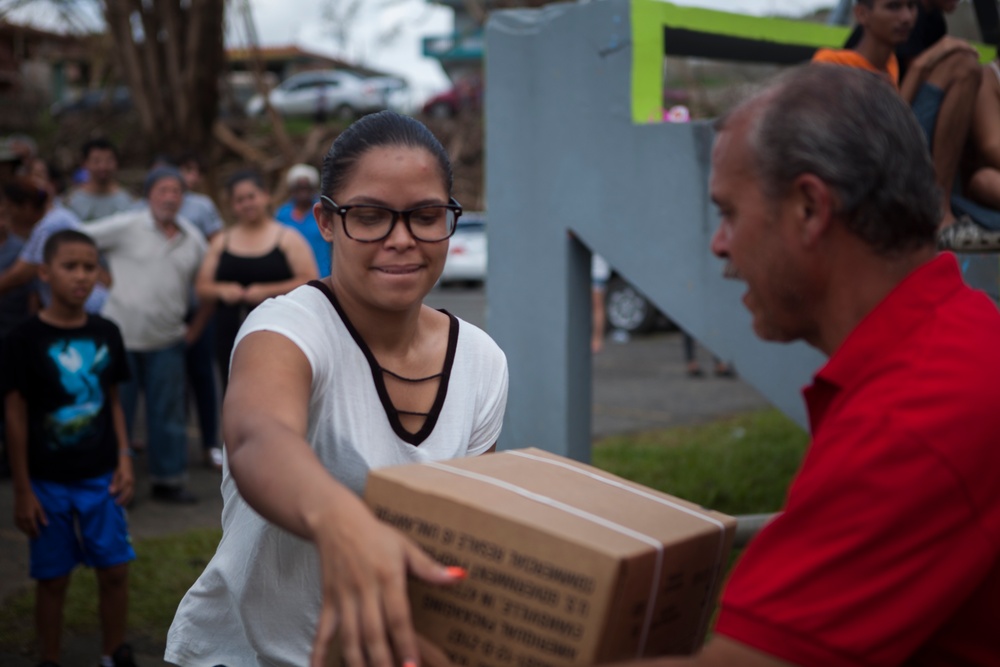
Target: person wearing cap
{"x":10,"y":161}
{"x":154,"y":255}
{"x":33,"y":210}
{"x":297,"y":212}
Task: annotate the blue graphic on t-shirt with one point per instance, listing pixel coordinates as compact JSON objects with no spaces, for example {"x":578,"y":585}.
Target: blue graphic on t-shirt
{"x":79,"y":363}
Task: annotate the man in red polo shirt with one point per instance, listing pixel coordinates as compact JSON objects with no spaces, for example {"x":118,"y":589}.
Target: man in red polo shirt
{"x":888,"y":550}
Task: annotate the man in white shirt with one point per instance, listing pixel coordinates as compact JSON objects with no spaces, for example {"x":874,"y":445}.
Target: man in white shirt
{"x":154,"y":256}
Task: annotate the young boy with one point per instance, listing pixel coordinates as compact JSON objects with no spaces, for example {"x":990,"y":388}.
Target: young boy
{"x":68,"y":450}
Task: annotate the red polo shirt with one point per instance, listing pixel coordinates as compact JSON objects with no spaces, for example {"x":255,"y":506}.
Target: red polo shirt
{"x":888,"y":552}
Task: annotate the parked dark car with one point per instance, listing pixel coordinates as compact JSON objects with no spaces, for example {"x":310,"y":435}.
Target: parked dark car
{"x":108,"y":100}
{"x":627,"y":309}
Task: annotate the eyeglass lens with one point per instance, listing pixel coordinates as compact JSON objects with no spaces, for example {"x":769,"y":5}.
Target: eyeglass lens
{"x":372,"y":223}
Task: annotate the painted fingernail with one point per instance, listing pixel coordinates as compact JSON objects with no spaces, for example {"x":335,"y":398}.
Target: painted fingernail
{"x":410,"y":663}
{"x":454,"y":572}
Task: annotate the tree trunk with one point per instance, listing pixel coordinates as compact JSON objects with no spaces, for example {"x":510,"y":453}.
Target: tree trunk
{"x":172,"y":55}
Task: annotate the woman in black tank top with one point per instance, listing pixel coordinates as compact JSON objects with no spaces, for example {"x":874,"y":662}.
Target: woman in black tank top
{"x":253,"y":260}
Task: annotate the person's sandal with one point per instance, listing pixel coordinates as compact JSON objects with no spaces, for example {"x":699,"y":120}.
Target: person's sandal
{"x":968,"y":237}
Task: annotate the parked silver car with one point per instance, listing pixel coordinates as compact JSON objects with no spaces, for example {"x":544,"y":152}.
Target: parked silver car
{"x":396,"y":93}
{"x":466,"y":261}
{"x":327,"y":92}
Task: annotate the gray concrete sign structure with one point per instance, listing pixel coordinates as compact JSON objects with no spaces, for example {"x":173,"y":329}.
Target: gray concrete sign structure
{"x":568,"y":172}
{"x":563,"y":156}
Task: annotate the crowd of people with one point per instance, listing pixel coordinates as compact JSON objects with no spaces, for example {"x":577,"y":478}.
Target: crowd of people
{"x":176,"y":303}
{"x":887,"y":552}
{"x":154,"y":314}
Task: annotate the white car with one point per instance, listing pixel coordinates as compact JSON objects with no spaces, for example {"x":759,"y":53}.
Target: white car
{"x":396,"y":93}
{"x":466,"y":261}
{"x":330,"y":92}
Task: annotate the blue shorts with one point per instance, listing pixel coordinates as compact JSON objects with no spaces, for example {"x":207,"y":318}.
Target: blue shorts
{"x":85,"y":526}
{"x":926,"y":105}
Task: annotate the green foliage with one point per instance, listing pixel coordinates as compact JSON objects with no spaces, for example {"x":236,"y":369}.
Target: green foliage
{"x":741,"y":465}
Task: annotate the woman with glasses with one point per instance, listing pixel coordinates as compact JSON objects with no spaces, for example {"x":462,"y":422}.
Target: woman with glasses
{"x":253,"y":260}
{"x":338,"y":377}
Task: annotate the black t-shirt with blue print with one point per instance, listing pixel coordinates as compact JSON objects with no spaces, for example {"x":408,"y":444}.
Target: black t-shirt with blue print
{"x":65,"y":377}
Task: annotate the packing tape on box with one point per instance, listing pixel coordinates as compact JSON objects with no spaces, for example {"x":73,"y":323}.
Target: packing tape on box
{"x":556,"y":504}
{"x":706,"y":612}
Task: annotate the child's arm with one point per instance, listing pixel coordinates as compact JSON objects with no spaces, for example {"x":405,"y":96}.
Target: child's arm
{"x":28,"y":512}
{"x":123,"y":482}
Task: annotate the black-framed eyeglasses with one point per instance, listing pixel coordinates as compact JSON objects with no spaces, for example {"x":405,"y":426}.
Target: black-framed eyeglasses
{"x":369,"y":223}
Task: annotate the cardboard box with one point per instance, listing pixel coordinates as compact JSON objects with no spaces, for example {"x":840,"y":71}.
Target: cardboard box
{"x":568,"y":565}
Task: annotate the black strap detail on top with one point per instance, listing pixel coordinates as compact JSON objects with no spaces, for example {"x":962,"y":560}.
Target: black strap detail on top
{"x":406,"y":379}
{"x":391,"y":412}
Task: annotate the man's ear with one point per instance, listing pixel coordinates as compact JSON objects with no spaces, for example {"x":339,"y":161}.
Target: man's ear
{"x":815,"y":203}
{"x":43,"y":272}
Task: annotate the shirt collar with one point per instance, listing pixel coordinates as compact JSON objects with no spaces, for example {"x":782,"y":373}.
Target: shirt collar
{"x":907,"y":306}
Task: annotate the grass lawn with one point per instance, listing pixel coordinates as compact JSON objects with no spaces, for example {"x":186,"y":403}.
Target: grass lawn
{"x":740,"y":465}
{"x":164,"y":570}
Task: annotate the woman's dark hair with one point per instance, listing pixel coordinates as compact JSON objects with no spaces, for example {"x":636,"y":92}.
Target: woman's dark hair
{"x":385,"y":128}
{"x":244,"y":175}
{"x":23,"y":190}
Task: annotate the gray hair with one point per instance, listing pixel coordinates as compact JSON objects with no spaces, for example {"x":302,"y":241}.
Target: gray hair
{"x":852,"y":130}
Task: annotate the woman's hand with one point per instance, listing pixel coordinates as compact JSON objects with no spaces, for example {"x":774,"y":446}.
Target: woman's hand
{"x":230,"y":293}
{"x":430,"y":654}
{"x":254,"y":294}
{"x":364,"y":567}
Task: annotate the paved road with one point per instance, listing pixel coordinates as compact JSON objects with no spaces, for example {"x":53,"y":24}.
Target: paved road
{"x":638,"y":385}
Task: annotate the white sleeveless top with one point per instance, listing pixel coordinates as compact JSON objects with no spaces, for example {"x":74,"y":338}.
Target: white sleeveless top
{"x":258,"y":600}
